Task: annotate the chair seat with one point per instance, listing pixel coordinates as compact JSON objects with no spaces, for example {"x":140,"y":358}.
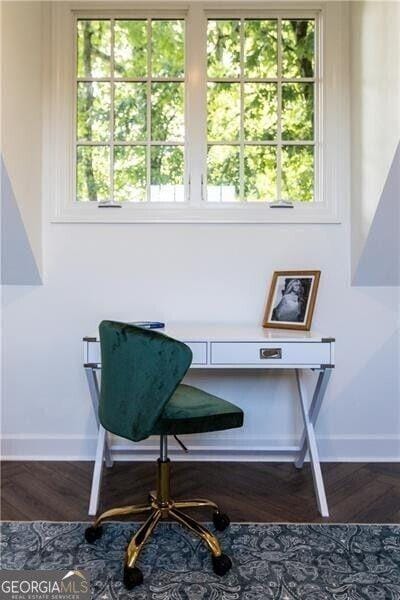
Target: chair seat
{"x":191,"y":410}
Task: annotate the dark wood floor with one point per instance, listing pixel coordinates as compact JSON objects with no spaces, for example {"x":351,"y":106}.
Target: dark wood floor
{"x":265,"y":492}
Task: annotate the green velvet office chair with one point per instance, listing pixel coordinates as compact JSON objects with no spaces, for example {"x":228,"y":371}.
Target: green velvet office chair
{"x":142,"y":395}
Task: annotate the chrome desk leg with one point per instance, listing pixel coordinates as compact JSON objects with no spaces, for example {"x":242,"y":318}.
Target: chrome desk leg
{"x":103,"y":452}
{"x":318,"y":396}
{"x":94,"y":390}
{"x":312,"y":447}
{"x":97,"y":472}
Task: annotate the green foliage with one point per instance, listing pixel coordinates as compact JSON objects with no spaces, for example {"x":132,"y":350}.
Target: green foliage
{"x":93,"y":111}
{"x":298,"y":48}
{"x":167,"y":48}
{"x":166,"y":165}
{"x":297,"y":111}
{"x":298,"y":173}
{"x":130,"y":48}
{"x":130,"y":173}
{"x":93,"y":182}
{"x":259,"y":164}
{"x":223,"y":102}
{"x":94,"y":48}
{"x":130,"y":111}
{"x":261,"y":48}
{"x":130,"y":119}
{"x":237,"y":170}
{"x":223,"y":173}
{"x":223,"y":48}
{"x":260,"y":111}
{"x":260,"y":173}
{"x":167,"y":114}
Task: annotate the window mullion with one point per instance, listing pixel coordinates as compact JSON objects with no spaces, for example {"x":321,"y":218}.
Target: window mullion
{"x":241,"y":133}
{"x":279,"y":131}
{"x":112,"y":113}
{"x":318,"y":112}
{"x":196,"y":101}
{"x":148,"y":113}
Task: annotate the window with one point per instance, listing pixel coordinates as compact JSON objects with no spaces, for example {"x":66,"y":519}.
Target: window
{"x":260,"y":107}
{"x":130,"y":110}
{"x":197,"y":115}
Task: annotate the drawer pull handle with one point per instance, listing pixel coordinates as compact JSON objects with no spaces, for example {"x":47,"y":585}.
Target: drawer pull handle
{"x":270,"y":352}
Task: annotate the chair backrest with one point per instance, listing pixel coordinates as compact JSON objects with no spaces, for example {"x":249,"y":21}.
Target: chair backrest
{"x":140,"y":371}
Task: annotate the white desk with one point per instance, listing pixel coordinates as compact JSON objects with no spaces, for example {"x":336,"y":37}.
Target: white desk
{"x":233,"y":346}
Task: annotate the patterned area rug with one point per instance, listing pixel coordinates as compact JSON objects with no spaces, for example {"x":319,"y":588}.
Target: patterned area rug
{"x":271,"y":562}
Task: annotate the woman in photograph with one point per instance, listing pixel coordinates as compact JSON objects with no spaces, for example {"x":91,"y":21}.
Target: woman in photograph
{"x":291,"y":305}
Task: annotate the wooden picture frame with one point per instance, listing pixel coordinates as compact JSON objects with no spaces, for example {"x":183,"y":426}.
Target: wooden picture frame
{"x":291,"y":300}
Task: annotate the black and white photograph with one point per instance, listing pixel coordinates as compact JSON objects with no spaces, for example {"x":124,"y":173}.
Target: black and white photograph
{"x":291,"y":299}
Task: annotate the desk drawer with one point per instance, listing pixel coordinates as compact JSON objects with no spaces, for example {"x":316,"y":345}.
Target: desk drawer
{"x":264,"y":353}
{"x":199,"y":350}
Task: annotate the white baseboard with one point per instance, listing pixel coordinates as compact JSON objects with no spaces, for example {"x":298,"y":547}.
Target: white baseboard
{"x":344,"y":448}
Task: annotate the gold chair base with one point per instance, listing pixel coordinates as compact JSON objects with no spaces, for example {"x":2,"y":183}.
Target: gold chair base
{"x":158,"y":511}
{"x":162,"y":506}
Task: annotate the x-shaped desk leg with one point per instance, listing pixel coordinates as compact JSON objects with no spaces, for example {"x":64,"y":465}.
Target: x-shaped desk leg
{"x":103,"y":452}
{"x":308,"y":440}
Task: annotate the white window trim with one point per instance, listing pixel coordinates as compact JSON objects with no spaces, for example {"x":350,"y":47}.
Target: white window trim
{"x":332,"y":96}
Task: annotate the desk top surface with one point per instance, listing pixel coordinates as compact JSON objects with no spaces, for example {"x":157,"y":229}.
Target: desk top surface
{"x":240,"y":332}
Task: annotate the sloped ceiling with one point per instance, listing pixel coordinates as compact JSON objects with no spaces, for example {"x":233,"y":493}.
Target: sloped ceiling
{"x":18,"y":265}
{"x":379,"y":263}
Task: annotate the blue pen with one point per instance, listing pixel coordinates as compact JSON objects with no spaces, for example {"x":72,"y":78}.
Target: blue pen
{"x":149,"y":324}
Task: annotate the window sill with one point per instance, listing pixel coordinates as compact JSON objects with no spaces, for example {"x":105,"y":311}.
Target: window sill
{"x":182,"y":213}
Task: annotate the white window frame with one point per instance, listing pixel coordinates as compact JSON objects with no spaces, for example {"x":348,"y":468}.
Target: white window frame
{"x":331,"y":131}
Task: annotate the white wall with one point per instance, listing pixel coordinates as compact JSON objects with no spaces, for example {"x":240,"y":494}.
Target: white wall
{"x":202,"y":273}
{"x":375,"y":107}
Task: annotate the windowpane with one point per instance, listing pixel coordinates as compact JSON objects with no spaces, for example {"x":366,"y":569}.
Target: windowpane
{"x":167,"y":179}
{"x":94,"y":48}
{"x":167,"y":56}
{"x":260,"y":173}
{"x":130,"y":173}
{"x":297,"y":111}
{"x":298,"y":48}
{"x":260,"y":48}
{"x":93,"y":173}
{"x":298,"y":173}
{"x":223,"y":106}
{"x":130,"y":48}
{"x":260,"y":111}
{"x":130,"y":111}
{"x":93,"y":118}
{"x":223,"y":48}
{"x":167,"y":113}
{"x":223,"y":174}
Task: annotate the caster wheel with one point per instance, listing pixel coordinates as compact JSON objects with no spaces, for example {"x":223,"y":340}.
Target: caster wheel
{"x":93,"y":533}
{"x":133,"y":576}
{"x":221,"y":564}
{"x":221,"y":521}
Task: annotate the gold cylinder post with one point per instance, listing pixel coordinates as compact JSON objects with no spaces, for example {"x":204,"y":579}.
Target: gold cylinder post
{"x":163,"y":475}
{"x":163,"y":482}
